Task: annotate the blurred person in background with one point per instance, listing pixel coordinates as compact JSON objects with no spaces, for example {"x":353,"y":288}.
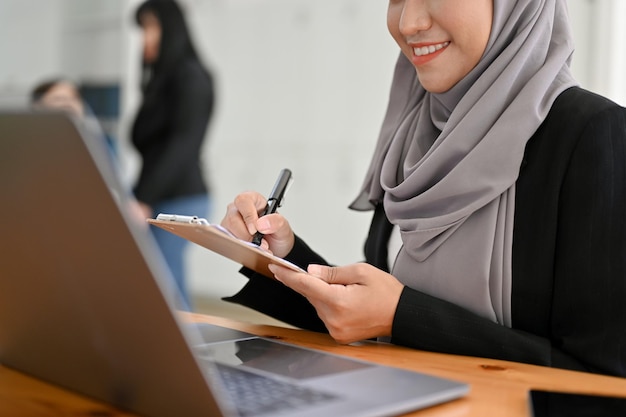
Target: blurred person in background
{"x":171,"y":125}
{"x":58,"y":93}
{"x":63,"y":94}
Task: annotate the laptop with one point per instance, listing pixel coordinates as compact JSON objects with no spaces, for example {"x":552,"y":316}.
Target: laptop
{"x":87,"y":303}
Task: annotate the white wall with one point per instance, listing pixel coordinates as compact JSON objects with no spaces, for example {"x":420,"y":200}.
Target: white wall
{"x":600,"y":57}
{"x":29,"y":44}
{"x":302,"y":84}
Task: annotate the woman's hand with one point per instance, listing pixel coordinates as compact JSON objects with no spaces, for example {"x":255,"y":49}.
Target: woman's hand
{"x":242,"y":219}
{"x":144,"y":210}
{"x":355,"y":302}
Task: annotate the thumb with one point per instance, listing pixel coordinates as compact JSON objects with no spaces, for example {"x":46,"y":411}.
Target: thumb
{"x":331,"y":274}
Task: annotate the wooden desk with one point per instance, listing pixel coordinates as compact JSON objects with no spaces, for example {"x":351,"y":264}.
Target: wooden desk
{"x":498,"y":388}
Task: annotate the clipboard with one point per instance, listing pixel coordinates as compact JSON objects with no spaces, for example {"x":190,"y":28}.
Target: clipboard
{"x":219,"y":240}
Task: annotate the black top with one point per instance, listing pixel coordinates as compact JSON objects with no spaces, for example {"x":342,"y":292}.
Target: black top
{"x":169,"y":131}
{"x":569,"y":256}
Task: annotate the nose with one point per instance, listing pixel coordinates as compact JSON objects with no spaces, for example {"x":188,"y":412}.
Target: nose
{"x":415,"y":17}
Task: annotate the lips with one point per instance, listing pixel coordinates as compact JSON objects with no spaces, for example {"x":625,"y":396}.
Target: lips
{"x":429,"y":49}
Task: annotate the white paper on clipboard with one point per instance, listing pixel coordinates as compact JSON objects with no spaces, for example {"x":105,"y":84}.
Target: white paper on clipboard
{"x":219,"y":240}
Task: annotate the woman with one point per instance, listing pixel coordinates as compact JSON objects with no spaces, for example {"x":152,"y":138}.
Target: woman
{"x":508,"y":184}
{"x":171,"y":125}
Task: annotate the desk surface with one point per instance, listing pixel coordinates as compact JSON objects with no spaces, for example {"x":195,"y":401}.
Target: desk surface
{"x":496,"y":386}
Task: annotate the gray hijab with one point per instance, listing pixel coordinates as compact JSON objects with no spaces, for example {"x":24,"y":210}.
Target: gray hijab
{"x":445,"y":165}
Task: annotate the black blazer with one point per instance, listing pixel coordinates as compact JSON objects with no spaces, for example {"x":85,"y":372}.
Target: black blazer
{"x":169,"y":132}
{"x":569,"y":256}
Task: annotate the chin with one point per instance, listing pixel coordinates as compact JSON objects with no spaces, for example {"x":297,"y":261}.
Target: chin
{"x":433,"y":85}
{"x":435,"y":88}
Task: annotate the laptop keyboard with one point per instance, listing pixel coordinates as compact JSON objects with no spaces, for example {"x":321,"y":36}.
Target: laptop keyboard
{"x":256,"y":394}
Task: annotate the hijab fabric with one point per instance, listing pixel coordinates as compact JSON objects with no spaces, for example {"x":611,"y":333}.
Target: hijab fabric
{"x":445,"y":165}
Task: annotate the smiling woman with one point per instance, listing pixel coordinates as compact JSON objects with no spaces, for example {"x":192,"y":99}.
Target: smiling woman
{"x":507,"y":184}
{"x":329,"y":102}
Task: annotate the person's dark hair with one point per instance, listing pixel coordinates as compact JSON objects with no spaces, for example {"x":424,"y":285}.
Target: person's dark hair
{"x":176,"y":43}
{"x":43,"y":87}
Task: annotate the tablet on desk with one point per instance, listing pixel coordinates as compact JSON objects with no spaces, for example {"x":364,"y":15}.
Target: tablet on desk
{"x":219,"y":240}
{"x":561,"y":404}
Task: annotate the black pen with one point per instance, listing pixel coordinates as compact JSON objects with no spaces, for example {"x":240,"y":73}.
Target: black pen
{"x":275,"y":199}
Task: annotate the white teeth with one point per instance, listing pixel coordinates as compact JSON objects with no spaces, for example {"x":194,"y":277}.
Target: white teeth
{"x":425,"y":50}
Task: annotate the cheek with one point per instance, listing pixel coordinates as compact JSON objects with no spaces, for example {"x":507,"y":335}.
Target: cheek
{"x":468,"y":48}
{"x":150,"y":46}
{"x":393,"y":23}
{"x":477,"y":37}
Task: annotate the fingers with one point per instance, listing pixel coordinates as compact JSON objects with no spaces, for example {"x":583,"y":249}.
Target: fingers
{"x":345,"y":275}
{"x":305,"y":284}
{"x":249,"y":205}
{"x":339,"y":295}
{"x":312,"y":288}
{"x":242,"y":220}
{"x":242,"y":214}
{"x":325,"y":273}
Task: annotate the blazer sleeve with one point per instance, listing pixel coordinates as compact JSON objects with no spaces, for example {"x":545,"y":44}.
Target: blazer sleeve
{"x":588,"y":308}
{"x":589,"y":304}
{"x":271,"y":297}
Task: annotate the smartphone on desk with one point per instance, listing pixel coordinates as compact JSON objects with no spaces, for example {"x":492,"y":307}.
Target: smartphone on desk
{"x":561,"y":404}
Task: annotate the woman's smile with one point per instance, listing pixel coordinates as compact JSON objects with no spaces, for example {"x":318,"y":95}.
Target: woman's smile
{"x":450,"y":36}
{"x":423,"y":53}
